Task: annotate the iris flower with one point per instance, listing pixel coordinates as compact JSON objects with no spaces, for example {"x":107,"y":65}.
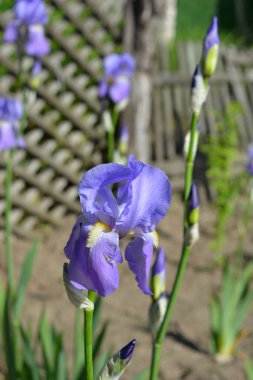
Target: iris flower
{"x":118,"y":70}
{"x":142,"y":200}
{"x":28,"y":27}
{"x":10,"y":114}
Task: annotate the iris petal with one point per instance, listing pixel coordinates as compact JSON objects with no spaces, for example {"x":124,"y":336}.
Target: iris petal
{"x":139,"y":256}
{"x":11,"y":32}
{"x":145,"y":200}
{"x":37,"y":44}
{"x":96,"y":197}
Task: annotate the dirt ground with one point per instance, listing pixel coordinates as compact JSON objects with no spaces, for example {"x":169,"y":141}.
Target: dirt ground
{"x":185,"y":353}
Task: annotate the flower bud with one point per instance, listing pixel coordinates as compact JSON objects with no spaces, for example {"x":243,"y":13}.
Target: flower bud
{"x":195,"y":142}
{"x":76,"y":296}
{"x":158,"y":275}
{"x":116,"y":366}
{"x":156,"y":313}
{"x":210,"y":49}
{"x":192,"y":234}
{"x":198,"y":91}
{"x":123,"y":140}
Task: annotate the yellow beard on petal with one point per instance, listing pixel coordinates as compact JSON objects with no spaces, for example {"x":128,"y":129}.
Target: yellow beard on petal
{"x":154,"y":237}
{"x":96,"y":232}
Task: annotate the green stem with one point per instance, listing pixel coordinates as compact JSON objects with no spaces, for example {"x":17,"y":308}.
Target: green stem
{"x":88,"y":320}
{"x":111,"y":136}
{"x":158,"y":342}
{"x":8,"y":227}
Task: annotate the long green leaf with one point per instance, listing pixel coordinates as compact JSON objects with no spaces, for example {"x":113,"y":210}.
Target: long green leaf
{"x":248,"y":365}
{"x":61,"y":368}
{"x":24,"y":280}
{"x":29,"y":356}
{"x":47,"y":343}
{"x":8,"y":340}
{"x":99,"y":339}
{"x":143,"y":375}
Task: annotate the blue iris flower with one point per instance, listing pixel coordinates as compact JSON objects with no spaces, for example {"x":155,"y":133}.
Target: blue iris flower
{"x":28,"y":25}
{"x":116,"y":84}
{"x":142,"y":200}
{"x":10,"y":115}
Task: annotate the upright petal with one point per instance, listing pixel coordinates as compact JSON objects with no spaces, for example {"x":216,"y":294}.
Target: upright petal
{"x":145,"y":200}
{"x":97,"y":199}
{"x":127,"y":64}
{"x":112,"y":64}
{"x":139,"y":256}
{"x":31,"y":11}
{"x":9,"y":137}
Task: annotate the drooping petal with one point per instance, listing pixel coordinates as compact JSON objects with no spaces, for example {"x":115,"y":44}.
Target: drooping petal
{"x":97,"y":199}
{"x":145,"y":200}
{"x":120,"y":89}
{"x":80,"y":227}
{"x":11,"y":32}
{"x":139,"y":256}
{"x":9,"y":137}
{"x":37,"y":44}
{"x":93,"y":267}
{"x":103,"y":88}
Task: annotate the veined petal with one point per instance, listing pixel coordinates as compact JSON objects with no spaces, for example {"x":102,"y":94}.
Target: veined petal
{"x":31,"y":11}
{"x":93,"y":253}
{"x":139,"y":256}
{"x":145,"y":200}
{"x":120,"y":89}
{"x":97,"y":200}
{"x":111,"y":64}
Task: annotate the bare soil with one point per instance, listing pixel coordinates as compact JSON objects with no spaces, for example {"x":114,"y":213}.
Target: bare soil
{"x":185,"y":353}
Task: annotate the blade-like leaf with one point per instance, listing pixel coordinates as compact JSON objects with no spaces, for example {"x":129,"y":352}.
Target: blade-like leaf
{"x":143,"y":375}
{"x":78,"y":357}
{"x":47,"y":344}
{"x":99,"y":339}
{"x":248,"y":365}
{"x":61,"y":368}
{"x":24,"y":279}
{"x":29,"y":356}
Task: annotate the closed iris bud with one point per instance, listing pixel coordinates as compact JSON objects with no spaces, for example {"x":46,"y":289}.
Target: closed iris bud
{"x":198,"y":91}
{"x":116,"y":366}
{"x":192,"y":234}
{"x":158,"y":275}
{"x":210,"y":50}
{"x":157,"y":312}
{"x":76,"y":296}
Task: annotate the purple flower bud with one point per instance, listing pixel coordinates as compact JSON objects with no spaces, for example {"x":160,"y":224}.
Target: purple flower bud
{"x":193,"y":202}
{"x":158,"y":278}
{"x":198,"y":91}
{"x":127,"y":351}
{"x":210,"y":49}
{"x":116,"y":366}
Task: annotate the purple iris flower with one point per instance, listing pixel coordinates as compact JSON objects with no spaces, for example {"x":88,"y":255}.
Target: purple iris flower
{"x":28,"y":27}
{"x":142,"y":200}
{"x":249,"y":163}
{"x":10,"y":115}
{"x":118,"y":70}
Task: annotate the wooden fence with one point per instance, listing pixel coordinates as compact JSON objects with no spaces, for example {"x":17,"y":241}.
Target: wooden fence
{"x":232,"y":82}
{"x":63,"y":135}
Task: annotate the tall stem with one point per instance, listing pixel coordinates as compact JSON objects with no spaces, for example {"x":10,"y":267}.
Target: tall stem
{"x":158,"y":342}
{"x":111,"y":136}
{"x":8,"y":226}
{"x":88,"y":321}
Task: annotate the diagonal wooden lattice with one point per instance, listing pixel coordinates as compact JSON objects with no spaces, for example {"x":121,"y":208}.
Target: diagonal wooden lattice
{"x":63,"y":135}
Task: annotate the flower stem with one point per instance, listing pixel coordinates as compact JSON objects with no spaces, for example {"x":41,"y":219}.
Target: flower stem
{"x":158,"y":342}
{"x":88,"y":320}
{"x":111,"y":136}
{"x":8,"y":226}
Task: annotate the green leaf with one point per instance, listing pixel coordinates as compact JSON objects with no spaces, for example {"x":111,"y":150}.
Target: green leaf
{"x":143,"y":375}
{"x":24,"y":280}
{"x":99,"y":339}
{"x":61,"y":368}
{"x":249,"y":369}
{"x":29,"y":356}
{"x":47,"y":344}
{"x":8,"y":340}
